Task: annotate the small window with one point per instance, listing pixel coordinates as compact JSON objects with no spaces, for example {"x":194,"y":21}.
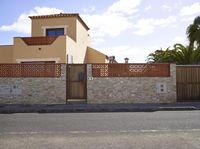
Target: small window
{"x":55,"y":32}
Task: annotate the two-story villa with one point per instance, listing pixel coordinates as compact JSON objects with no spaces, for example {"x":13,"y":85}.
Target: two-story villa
{"x":56,"y":38}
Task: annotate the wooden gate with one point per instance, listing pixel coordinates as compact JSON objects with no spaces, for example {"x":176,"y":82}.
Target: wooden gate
{"x":76,"y":82}
{"x":188,"y":83}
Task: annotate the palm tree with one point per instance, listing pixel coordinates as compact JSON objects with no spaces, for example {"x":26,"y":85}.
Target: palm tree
{"x":179,"y":54}
{"x":161,"y":56}
{"x":193,"y":33}
{"x":197,"y":55}
{"x":184,"y":55}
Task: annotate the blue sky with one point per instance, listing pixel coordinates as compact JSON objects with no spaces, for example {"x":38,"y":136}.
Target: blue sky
{"x":124,"y":28}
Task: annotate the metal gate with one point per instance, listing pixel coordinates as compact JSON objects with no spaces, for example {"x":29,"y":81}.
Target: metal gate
{"x":76,"y":82}
{"x":188,"y":83}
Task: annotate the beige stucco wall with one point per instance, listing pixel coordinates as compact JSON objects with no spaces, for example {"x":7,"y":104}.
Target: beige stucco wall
{"x":82,"y":43}
{"x":77,"y":38}
{"x":38,"y":24}
{"x":71,"y":48}
{"x":94,"y":56}
{"x":78,"y":51}
{"x":56,"y":50}
{"x":6,"y":54}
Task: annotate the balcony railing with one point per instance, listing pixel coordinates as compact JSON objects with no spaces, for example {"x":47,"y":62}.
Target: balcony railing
{"x":39,"y":40}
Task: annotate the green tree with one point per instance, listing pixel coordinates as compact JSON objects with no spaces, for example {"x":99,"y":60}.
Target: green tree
{"x":184,"y":54}
{"x":193,"y":33}
{"x":179,"y":54}
{"x":161,"y":56}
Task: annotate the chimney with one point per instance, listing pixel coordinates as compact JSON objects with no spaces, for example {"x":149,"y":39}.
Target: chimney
{"x":111,"y":59}
{"x":126,"y":60}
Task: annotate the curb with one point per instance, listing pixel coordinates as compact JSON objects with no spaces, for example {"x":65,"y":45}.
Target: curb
{"x":189,"y":108}
{"x":90,"y":108}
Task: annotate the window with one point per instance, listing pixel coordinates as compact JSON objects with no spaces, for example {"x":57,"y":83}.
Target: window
{"x":55,"y":32}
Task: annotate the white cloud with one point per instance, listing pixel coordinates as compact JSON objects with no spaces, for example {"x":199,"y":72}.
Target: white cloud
{"x":23,"y":23}
{"x":190,"y":10}
{"x":116,"y":19}
{"x":135,"y":54}
{"x":166,"y":7}
{"x":148,"y":8}
{"x":124,"y":6}
{"x":97,"y":41}
{"x":120,"y":52}
{"x":106,"y":24}
{"x":144,"y":27}
{"x":147,"y":26}
{"x":89,"y":10}
{"x":179,"y":39}
{"x":188,"y":19}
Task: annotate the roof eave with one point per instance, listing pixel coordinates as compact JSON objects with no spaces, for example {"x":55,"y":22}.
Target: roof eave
{"x":60,"y":16}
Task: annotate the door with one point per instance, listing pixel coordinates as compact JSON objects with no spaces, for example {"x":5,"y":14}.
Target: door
{"x":188,"y":83}
{"x":76,"y":81}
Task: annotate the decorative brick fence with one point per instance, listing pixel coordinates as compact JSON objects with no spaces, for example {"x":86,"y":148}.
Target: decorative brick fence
{"x":130,"y":70}
{"x":32,"y":83}
{"x":131,"y":83}
{"x":106,"y":83}
{"x":30,"y":70}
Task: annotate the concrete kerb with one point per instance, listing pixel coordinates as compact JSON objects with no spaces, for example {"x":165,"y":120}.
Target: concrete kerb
{"x":81,"y":108}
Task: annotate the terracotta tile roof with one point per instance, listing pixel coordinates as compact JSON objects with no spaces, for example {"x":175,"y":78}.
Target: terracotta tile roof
{"x":60,"y":15}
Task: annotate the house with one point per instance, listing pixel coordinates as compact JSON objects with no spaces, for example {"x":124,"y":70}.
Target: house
{"x":56,"y":38}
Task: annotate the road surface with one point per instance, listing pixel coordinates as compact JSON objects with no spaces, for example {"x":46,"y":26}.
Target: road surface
{"x":152,"y":130}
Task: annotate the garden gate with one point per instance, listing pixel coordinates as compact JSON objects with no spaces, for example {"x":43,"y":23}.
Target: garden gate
{"x":76,"y":82}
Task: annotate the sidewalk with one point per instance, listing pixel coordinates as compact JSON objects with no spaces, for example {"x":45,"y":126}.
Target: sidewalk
{"x":65,"y":108}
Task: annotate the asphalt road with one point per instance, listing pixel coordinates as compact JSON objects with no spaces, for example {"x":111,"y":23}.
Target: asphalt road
{"x":152,"y":130}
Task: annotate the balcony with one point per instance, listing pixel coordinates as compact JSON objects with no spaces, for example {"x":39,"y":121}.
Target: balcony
{"x":39,"y":40}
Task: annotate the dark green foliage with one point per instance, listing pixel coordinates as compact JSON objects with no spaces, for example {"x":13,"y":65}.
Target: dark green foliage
{"x":179,"y":54}
{"x":193,"y":33}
